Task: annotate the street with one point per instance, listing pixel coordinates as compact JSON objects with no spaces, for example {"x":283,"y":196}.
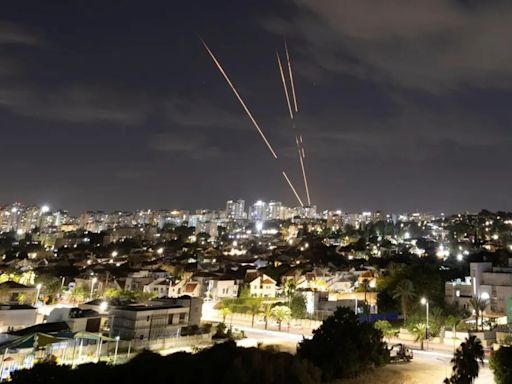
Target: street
{"x":427,"y":366}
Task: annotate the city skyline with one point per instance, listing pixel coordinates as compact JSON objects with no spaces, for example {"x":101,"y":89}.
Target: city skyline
{"x":122,"y":108}
{"x":247,"y":205}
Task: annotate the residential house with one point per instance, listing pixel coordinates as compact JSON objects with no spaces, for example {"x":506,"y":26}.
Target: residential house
{"x":137,"y":280}
{"x":262,"y":286}
{"x":222,"y":288}
{"x":16,"y":316}
{"x":195,"y":305}
{"x":486,"y":281}
{"x":16,"y":293}
{"x":79,"y":319}
{"x":159,"y":287}
{"x":145,"y":322}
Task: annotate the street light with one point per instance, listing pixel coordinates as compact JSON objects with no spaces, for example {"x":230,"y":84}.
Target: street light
{"x":38,"y":286}
{"x":103,"y":306}
{"x":93,"y":281}
{"x":160,"y":251}
{"x":115,"y":352}
{"x":424,"y":302}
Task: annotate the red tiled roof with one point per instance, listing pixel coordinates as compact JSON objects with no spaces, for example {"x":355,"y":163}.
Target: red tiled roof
{"x":190,"y":287}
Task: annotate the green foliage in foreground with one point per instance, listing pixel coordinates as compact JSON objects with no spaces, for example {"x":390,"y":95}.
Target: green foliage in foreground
{"x":223,"y":363}
{"x":501,"y":365}
{"x":342,"y":347}
{"x":466,"y":361}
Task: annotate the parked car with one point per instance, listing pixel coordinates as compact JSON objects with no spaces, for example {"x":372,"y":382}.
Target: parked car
{"x":400,"y":352}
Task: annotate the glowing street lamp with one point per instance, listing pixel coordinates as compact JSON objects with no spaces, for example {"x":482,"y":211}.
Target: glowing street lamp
{"x":103,"y":306}
{"x":160,"y":251}
{"x":45,"y":209}
{"x":117,"y":347}
{"x":114,"y":253}
{"x":424,"y":302}
{"x":38,"y":286}
{"x":93,"y":281}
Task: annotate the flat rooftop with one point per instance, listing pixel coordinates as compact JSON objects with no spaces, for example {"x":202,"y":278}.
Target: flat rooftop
{"x":141,"y":308}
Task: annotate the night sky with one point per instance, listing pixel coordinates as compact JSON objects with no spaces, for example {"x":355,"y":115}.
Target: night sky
{"x":404,"y":104}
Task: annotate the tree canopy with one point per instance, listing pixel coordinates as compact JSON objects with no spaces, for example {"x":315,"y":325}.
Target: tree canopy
{"x":501,"y":365}
{"x":342,"y":347}
{"x":223,"y":363}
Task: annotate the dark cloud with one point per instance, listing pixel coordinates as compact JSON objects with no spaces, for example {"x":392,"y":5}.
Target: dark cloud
{"x":191,"y":146}
{"x":76,"y":105}
{"x":433,"y":45}
{"x":11,"y":33}
{"x":200,"y":113}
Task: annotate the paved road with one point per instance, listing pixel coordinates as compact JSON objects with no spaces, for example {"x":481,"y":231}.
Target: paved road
{"x":433,"y":367}
{"x":286,"y":341}
{"x":426,"y":367}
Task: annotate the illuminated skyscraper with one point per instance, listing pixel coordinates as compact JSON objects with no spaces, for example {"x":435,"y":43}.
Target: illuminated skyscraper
{"x":275,"y":210}
{"x":258,"y":211}
{"x":235,"y":210}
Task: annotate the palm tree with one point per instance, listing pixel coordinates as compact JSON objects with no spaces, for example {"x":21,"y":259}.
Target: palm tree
{"x":254,"y":307}
{"x":365,"y":287}
{"x":405,"y":292}
{"x":437,"y":322}
{"x":478,"y":304}
{"x":453,"y":322}
{"x":465,"y":361}
{"x":290,"y":286}
{"x":281,"y":313}
{"x":385,"y":327}
{"x":78,"y":294}
{"x":420,"y":332}
{"x":267,"y":312}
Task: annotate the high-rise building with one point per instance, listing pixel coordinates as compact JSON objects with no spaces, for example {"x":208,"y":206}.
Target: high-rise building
{"x":258,"y":211}
{"x":235,"y":210}
{"x":275,"y":210}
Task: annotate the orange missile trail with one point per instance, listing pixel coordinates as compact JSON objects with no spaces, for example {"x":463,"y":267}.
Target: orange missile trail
{"x":284,"y":85}
{"x":301,"y":159}
{"x":274,"y":154}
{"x":293,"y":189}
{"x":290,"y":72}
{"x":298,"y":138}
{"x":239,"y":99}
{"x":300,"y":150}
